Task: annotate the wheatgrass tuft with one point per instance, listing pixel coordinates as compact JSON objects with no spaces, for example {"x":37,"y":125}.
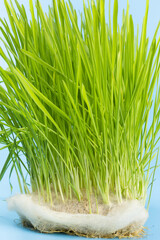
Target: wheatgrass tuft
{"x":76,"y":100}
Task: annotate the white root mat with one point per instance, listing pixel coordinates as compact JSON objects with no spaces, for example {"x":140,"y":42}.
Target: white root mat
{"x":129,"y":215}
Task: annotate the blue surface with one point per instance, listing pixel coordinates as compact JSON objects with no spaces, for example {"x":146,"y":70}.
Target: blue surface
{"x":10,"y":227}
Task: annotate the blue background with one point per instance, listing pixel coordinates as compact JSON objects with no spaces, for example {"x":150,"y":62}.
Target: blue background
{"x":10,"y":227}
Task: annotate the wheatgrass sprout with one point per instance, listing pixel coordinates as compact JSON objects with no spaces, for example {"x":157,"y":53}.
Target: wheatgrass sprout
{"x":76,"y":103}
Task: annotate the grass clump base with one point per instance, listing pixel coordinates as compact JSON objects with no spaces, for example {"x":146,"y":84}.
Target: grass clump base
{"x":118,"y":234}
{"x":121,"y":219}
